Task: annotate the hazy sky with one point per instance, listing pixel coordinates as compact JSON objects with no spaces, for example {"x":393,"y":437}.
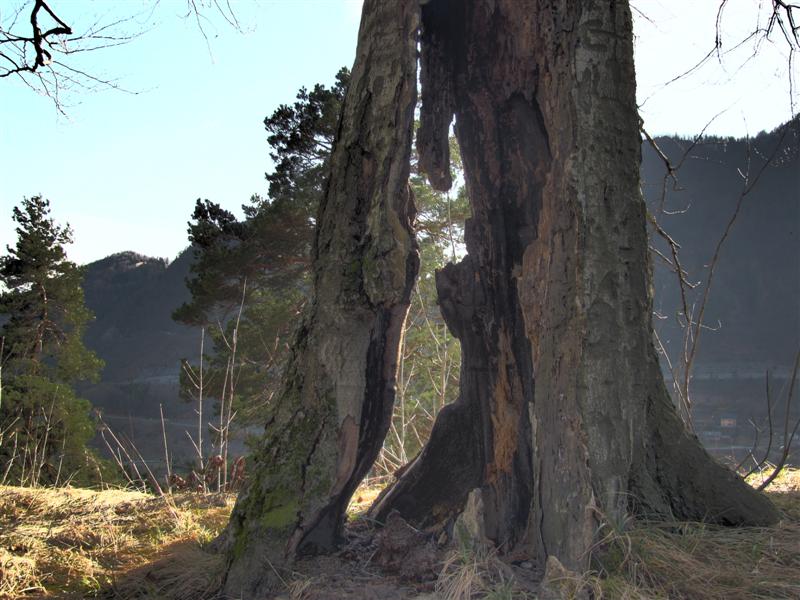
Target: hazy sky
{"x":125,"y":169}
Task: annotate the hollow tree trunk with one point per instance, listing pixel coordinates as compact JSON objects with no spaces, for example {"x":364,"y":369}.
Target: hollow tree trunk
{"x":555,"y":284}
{"x":503,"y":150}
{"x":335,"y":407}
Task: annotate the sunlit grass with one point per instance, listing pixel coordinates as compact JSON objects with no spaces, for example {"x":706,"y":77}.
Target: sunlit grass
{"x":73,"y":543}
{"x":363,"y":498}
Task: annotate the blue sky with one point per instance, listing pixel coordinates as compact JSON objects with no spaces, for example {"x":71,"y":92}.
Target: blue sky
{"x":125,"y":169}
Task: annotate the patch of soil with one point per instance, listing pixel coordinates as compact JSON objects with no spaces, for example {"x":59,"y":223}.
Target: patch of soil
{"x":406,"y":551}
{"x":396,"y":562}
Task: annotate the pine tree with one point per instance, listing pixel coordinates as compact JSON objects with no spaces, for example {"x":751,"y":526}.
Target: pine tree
{"x":262,"y":264}
{"x":45,"y":425}
{"x":251,"y":275}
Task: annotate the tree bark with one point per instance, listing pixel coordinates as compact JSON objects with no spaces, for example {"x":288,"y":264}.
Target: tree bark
{"x":335,"y":408}
{"x":556,"y":284}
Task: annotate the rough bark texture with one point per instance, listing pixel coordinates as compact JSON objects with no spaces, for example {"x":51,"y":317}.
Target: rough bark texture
{"x":335,"y":408}
{"x":556,"y":284}
{"x":607,"y":438}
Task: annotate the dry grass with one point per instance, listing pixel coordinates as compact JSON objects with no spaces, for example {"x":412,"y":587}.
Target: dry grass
{"x":697,"y":561}
{"x":182,"y":570}
{"x":660,"y":561}
{"x":476,"y":575}
{"x":701,"y":562}
{"x":363,"y":498}
{"x":474,"y":570}
{"x":72,"y":543}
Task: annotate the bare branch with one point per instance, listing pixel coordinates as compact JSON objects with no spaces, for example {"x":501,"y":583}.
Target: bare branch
{"x":787,"y":437}
{"x":35,"y":51}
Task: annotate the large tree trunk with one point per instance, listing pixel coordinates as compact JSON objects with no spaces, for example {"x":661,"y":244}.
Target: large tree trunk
{"x":335,"y":408}
{"x":555,"y":284}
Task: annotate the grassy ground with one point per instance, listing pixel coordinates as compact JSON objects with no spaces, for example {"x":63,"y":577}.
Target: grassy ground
{"x":71,"y":543}
{"x":694,"y":560}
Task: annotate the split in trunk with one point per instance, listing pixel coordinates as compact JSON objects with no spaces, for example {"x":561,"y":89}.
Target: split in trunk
{"x":555,"y":284}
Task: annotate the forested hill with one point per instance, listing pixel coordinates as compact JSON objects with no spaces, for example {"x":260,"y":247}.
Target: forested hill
{"x":133,"y":297}
{"x":754,"y":303}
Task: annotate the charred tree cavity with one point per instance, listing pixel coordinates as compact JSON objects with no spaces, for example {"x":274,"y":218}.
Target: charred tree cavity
{"x":505,"y":152}
{"x":555,"y":284}
{"x":335,"y":408}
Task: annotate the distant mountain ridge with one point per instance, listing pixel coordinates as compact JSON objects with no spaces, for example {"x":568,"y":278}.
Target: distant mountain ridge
{"x":132,"y":297}
{"x":754,"y":305}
